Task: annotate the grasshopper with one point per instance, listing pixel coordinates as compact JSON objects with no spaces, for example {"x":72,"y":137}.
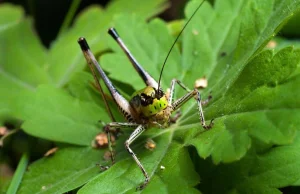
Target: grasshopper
{"x":148,"y":107}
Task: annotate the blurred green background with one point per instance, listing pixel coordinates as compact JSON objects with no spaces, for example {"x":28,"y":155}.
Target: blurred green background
{"x":49,"y":15}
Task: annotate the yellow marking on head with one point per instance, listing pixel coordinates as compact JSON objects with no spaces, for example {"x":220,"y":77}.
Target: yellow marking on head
{"x":154,"y":108}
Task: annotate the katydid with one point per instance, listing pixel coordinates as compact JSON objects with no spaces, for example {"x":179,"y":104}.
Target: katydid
{"x":148,"y":107}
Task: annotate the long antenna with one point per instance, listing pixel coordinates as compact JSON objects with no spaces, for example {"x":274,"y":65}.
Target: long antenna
{"x":162,"y":69}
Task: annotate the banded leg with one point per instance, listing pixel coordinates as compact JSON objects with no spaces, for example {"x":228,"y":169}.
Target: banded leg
{"x":108,"y":128}
{"x":147,"y":78}
{"x":172,"y":91}
{"x":191,"y":93}
{"x":136,"y":133}
{"x":115,"y":125}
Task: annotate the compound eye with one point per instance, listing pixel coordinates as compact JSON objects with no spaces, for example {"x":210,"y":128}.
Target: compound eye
{"x":160,"y":93}
{"x":143,"y":99}
{"x":153,"y":94}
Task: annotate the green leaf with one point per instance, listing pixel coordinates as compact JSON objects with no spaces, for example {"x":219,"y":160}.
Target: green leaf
{"x":259,"y":107}
{"x":55,"y":115}
{"x":255,"y":173}
{"x":290,"y":29}
{"x":81,"y":86}
{"x":9,"y":16}
{"x":14,"y":185}
{"x":92,"y":24}
{"x":146,"y":10}
{"x":66,"y":170}
{"x":177,"y":175}
{"x":278,"y":43}
{"x":22,"y":60}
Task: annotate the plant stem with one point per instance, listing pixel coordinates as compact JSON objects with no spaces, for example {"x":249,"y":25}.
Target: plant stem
{"x":74,"y":6}
{"x":16,"y":180}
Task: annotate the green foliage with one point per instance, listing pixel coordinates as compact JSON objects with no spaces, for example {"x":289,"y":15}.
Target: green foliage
{"x":13,"y":188}
{"x":277,"y":167}
{"x":253,"y":146}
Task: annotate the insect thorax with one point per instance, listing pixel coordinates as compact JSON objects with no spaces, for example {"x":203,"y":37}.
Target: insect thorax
{"x":146,"y":104}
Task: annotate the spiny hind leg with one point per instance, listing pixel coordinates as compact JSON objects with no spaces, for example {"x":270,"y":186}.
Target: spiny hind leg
{"x":191,"y":93}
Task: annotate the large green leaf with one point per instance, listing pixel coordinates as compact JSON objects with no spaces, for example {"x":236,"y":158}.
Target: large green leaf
{"x":178,"y":175}
{"x":255,"y":173}
{"x":22,"y":60}
{"x":68,"y":169}
{"x":10,"y":15}
{"x":256,"y":109}
{"x":55,"y":115}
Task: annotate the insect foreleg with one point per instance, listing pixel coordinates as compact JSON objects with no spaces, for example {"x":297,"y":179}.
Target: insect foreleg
{"x":191,"y":93}
{"x":109,"y":128}
{"x":172,"y":89}
{"x":136,"y":133}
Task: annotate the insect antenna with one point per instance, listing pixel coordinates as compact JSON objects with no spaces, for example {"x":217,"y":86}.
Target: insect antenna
{"x":160,"y":75}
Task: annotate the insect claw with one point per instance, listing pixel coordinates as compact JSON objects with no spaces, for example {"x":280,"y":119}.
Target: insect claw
{"x":211,"y":122}
{"x":210,"y":125}
{"x":205,"y":102}
{"x":158,"y":124}
{"x":103,"y":168}
{"x":142,"y":186}
{"x":102,"y":123}
{"x":106,"y":128}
